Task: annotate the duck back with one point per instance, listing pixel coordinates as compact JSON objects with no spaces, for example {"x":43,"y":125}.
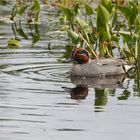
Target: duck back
{"x":99,"y":67}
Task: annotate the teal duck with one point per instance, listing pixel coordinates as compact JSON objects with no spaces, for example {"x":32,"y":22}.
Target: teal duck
{"x":97,"y":67}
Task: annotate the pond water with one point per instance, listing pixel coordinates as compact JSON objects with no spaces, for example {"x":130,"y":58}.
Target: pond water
{"x":39,"y":102}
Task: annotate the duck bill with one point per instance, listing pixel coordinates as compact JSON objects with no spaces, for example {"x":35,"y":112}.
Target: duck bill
{"x":69,"y":60}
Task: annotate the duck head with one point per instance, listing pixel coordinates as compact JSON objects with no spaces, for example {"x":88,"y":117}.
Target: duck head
{"x":79,"y":55}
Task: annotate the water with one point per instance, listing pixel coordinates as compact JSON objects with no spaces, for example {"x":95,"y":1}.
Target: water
{"x":37,"y":99}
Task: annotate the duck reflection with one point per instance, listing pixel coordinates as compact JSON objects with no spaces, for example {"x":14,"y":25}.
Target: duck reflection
{"x":99,"y":82}
{"x":103,"y":86}
{"x":81,"y":92}
{"x":78,"y":92}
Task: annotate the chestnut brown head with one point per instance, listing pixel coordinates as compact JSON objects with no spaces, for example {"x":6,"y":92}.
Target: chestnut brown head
{"x":80,"y":55}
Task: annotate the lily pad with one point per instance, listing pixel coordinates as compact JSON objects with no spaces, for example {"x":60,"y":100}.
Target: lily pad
{"x":13,"y":44}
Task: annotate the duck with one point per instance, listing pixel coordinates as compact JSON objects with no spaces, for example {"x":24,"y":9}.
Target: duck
{"x":84,"y":66}
{"x":78,"y":92}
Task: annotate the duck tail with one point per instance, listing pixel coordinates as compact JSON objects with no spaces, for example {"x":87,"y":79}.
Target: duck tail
{"x":130,"y":70}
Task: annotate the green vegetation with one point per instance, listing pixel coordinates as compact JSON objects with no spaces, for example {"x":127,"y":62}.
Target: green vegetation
{"x":32,"y":11}
{"x":105,"y":28}
{"x":20,"y":12}
{"x":13,"y":44}
{"x":109,"y":26}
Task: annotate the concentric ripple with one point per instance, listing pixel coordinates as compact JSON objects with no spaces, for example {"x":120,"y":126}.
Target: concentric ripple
{"x":30,"y":85}
{"x":34,"y":64}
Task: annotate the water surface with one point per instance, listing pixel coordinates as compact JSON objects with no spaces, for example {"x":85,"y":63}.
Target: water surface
{"x":37,"y":99}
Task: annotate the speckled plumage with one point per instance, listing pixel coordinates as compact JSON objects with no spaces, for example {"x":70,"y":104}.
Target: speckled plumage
{"x":97,"y":67}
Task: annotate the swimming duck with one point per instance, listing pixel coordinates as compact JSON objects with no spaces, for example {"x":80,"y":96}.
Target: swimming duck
{"x":98,"y":67}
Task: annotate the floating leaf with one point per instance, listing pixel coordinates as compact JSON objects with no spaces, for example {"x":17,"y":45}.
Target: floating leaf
{"x":13,"y":44}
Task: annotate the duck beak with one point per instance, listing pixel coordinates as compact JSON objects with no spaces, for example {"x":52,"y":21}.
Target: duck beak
{"x":68,"y":60}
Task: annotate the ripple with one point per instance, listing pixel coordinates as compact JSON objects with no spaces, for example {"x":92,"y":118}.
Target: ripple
{"x":20,"y":120}
{"x":34,"y":64}
{"x":68,"y":129}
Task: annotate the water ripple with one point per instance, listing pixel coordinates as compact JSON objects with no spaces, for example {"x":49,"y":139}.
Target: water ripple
{"x":33,"y":64}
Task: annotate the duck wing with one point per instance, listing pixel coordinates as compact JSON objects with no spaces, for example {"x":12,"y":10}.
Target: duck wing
{"x":110,"y":61}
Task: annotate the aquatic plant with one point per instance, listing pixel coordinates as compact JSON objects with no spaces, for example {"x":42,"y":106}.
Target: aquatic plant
{"x":106,"y":29}
{"x":30,"y":12}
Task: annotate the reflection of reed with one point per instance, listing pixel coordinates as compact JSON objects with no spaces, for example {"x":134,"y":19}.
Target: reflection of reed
{"x":124,"y":95}
{"x":103,"y":87}
{"x":81,"y":92}
{"x":137,"y":82}
{"x":101,"y":98}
